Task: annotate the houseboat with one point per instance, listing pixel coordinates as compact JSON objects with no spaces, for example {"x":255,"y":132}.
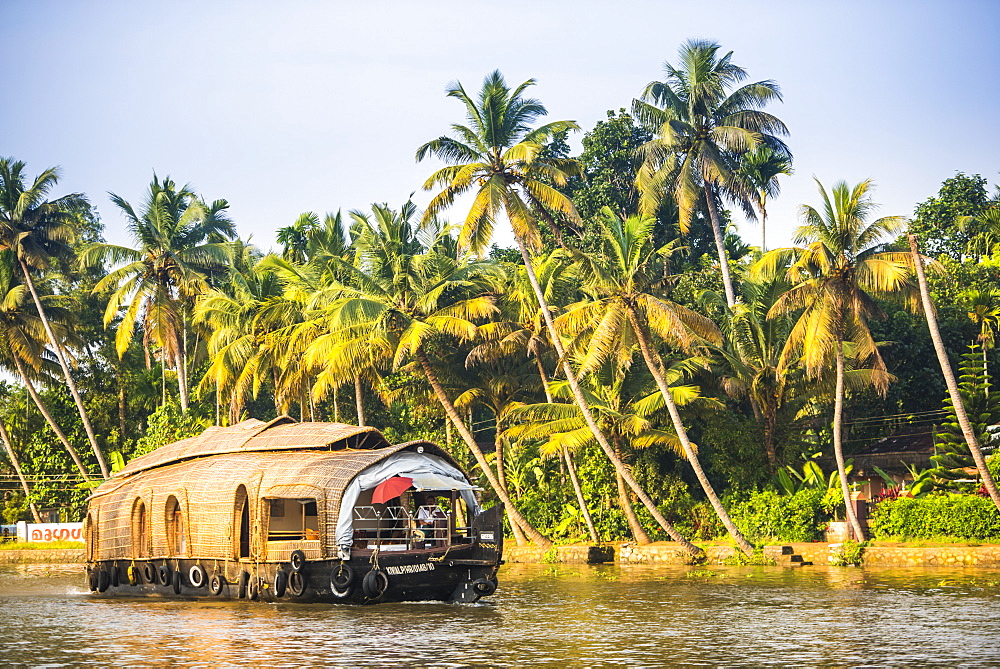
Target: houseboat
{"x":311,"y":512}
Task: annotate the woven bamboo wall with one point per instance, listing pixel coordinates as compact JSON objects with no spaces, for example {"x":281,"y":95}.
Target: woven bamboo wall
{"x":205,"y":474}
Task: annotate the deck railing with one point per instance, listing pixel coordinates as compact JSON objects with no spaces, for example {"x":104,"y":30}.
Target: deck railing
{"x":396,"y":528}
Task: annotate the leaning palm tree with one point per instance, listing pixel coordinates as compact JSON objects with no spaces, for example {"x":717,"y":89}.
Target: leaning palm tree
{"x":628,"y":308}
{"x":12,"y":456}
{"x":37,"y":230}
{"x":22,"y":344}
{"x":181,"y":242}
{"x":836,"y":279}
{"x":500,"y":157}
{"x":702,"y":126}
{"x":968,"y":431}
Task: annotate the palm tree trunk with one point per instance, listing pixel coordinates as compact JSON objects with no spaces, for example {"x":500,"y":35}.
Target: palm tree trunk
{"x":655,"y":368}
{"x":359,"y":401}
{"x":470,"y":441}
{"x":625,"y":503}
{"x":720,"y":244}
{"x":49,"y":419}
{"x":568,"y":457}
{"x":65,"y":369}
{"x":17,"y":468}
{"x":581,"y":502}
{"x":182,"y":387}
{"x":838,"y":451}
{"x":182,"y":371}
{"x":519,"y":537}
{"x":949,"y":376}
{"x":588,"y":416}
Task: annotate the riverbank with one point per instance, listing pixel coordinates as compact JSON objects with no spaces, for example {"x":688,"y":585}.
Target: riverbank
{"x":878,"y":554}
{"x":881,"y":554}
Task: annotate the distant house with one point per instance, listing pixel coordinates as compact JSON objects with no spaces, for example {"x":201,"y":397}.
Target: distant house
{"x":893,"y":454}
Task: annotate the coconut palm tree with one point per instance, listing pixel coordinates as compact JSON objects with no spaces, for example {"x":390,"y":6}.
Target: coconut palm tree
{"x":983,"y":308}
{"x":501,"y":158}
{"x":38,"y":230}
{"x":231,"y":313}
{"x":702,"y":127}
{"x":760,"y":169}
{"x":836,"y":278}
{"x":520,"y":331}
{"x":750,"y":362}
{"x":399,"y":302}
{"x":181,"y":242}
{"x":628,"y":309}
{"x":295,"y":238}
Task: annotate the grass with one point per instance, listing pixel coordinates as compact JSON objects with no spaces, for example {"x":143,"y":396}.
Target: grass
{"x":41,"y":546}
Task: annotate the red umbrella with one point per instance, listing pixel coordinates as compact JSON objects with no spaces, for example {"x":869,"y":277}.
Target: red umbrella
{"x":390,"y":488}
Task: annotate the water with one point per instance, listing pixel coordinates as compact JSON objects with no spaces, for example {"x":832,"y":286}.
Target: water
{"x":541,"y":615}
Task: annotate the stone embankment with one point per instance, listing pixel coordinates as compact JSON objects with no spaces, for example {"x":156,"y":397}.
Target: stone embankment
{"x":43,"y":556}
{"x":664,"y":553}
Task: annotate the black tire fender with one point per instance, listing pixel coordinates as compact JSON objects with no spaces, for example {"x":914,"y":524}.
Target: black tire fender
{"x":92,"y":579}
{"x":176,"y":581}
{"x":253,"y":588}
{"x":298,"y":560}
{"x":115,"y":575}
{"x":241,"y":585}
{"x":484,"y":586}
{"x":197,"y":576}
{"x":148,"y":572}
{"x":103,"y":580}
{"x":164,"y":575}
{"x":296,"y":583}
{"x":341,"y":579}
{"x":375,"y":583}
{"x":216,"y":584}
{"x":280,"y":582}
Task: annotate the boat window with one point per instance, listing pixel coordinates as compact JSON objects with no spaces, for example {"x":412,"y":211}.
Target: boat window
{"x":176,"y":541}
{"x":292,"y":519}
{"x":140,"y":530}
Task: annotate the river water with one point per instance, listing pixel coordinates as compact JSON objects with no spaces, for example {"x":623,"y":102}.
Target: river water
{"x":571,"y":615}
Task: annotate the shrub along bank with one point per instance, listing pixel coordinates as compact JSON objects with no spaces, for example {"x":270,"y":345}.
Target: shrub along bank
{"x":933,"y":516}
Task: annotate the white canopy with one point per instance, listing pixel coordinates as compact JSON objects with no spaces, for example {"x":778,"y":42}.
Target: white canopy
{"x":429,"y":481}
{"x":429,"y":472}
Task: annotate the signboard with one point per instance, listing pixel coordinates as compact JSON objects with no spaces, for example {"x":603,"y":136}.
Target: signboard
{"x":44,"y":532}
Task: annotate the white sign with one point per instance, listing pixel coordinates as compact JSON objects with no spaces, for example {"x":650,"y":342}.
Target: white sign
{"x":44,"y":532}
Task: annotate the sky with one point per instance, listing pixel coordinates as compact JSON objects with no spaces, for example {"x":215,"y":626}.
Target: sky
{"x":287,"y":107}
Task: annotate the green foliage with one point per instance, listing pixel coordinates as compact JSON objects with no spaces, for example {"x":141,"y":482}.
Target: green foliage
{"x":850,"y":554}
{"x":952,"y":515}
{"x":766,"y":516}
{"x":936,"y":218}
{"x":952,"y":456}
{"x":168,"y":424}
{"x":741,"y":559}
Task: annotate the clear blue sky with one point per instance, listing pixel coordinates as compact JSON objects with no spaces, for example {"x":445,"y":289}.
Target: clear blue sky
{"x":284,"y":107}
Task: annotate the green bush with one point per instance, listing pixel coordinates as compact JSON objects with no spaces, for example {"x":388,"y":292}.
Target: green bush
{"x":767,"y":516}
{"x":959,"y":516}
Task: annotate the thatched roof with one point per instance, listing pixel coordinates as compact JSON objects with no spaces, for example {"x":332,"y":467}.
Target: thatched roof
{"x":251,"y":436}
